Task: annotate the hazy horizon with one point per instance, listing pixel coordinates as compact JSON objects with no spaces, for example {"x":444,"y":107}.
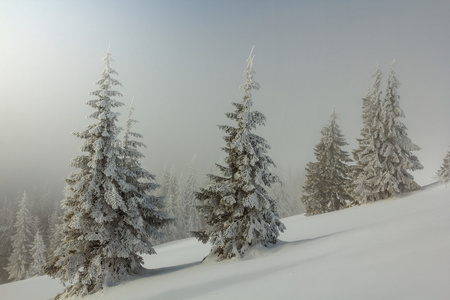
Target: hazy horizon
{"x":183,"y":61}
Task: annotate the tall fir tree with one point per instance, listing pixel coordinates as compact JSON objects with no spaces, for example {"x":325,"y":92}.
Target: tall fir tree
{"x":236,"y":207}
{"x":443,"y":174}
{"x":92,"y":205}
{"x":20,"y":259}
{"x":395,"y":154}
{"x":104,"y":228}
{"x":386,"y":155}
{"x":327,"y":186}
{"x":145,"y":213}
{"x":367,"y":167}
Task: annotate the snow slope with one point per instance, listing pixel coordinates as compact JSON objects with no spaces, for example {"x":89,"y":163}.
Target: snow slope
{"x":391,"y":249}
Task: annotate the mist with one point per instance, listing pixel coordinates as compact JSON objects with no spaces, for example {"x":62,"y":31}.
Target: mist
{"x":183,"y":61}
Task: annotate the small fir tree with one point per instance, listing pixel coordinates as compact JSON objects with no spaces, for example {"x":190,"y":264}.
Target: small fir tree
{"x":38,"y":253}
{"x":190,"y":216}
{"x":170,"y":191}
{"x":443,"y":174}
{"x":328,"y":180}
{"x":236,"y":207}
{"x":174,"y":206}
{"x":164,"y":187}
{"x":282,"y":199}
{"x":7,"y":221}
{"x":48,"y":205}
{"x":20,"y":259}
{"x":56,"y":233}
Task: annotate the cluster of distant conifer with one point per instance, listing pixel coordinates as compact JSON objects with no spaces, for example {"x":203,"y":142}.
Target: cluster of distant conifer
{"x":383,"y":158}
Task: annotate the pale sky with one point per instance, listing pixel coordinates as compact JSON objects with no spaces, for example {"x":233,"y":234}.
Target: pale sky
{"x":183,"y":61}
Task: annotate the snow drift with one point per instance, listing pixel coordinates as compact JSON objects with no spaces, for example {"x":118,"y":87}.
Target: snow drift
{"x":390,"y":249}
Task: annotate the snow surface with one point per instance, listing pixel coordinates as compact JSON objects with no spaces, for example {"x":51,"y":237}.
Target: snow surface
{"x":391,"y":249}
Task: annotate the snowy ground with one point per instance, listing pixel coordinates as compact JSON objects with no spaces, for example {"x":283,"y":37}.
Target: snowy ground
{"x":391,"y":249}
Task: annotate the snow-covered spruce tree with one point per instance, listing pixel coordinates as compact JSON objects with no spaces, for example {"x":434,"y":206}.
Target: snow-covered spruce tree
{"x":164,"y":186}
{"x":282,"y":198}
{"x":175,"y":207}
{"x":20,"y":259}
{"x":6,"y":232}
{"x":172,"y":193}
{"x":35,"y":224}
{"x":236,"y":207}
{"x":104,"y":227}
{"x":5,"y":251}
{"x":286,"y":204}
{"x":443,"y":174}
{"x":39,"y":256}
{"x":190,"y":216}
{"x":395,"y":154}
{"x":367,"y":168}
{"x":48,"y":204}
{"x":145,"y":215}
{"x":327,"y":185}
{"x":55,"y":232}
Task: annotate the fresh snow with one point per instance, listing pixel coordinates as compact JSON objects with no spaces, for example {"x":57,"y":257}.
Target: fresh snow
{"x":390,"y":249}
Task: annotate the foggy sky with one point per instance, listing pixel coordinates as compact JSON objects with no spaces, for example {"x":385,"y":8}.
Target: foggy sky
{"x":183,"y":61}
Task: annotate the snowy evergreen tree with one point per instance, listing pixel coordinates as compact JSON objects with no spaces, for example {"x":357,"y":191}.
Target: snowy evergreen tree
{"x":164,"y":187}
{"x":88,"y":253}
{"x":287,"y":195}
{"x":285,"y":204}
{"x":145,"y":210}
{"x":443,"y":174}
{"x":47,"y":207}
{"x":35,"y":224}
{"x":5,"y":252}
{"x":367,"y":168}
{"x":170,"y":190}
{"x":20,"y":259}
{"x":174,"y":198}
{"x":6,"y":233}
{"x":55,"y":233}
{"x":190,"y":216}
{"x":37,"y":211}
{"x":38,"y":254}
{"x":327,"y":186}
{"x":104,"y":226}
{"x":236,"y":207}
{"x":385,"y":153}
{"x":395,"y":153}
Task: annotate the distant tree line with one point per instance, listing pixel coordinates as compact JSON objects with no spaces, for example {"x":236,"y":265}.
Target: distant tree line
{"x":29,"y":232}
